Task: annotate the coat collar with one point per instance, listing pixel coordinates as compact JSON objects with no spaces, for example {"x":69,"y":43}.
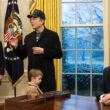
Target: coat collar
{"x":43,"y":34}
{"x":33,"y":84}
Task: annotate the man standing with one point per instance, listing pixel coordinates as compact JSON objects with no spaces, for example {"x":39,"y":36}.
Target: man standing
{"x":41,"y":47}
{"x":2,"y":62}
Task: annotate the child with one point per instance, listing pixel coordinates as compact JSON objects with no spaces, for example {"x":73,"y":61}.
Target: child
{"x":32,"y":89}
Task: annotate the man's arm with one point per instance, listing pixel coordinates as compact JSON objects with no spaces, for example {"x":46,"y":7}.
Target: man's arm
{"x":18,"y":47}
{"x":100,"y":90}
{"x":55,"y":51}
{"x":101,"y":87}
{"x":21,"y":51}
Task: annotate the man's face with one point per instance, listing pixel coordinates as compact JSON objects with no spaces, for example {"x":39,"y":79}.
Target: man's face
{"x":36,"y":22}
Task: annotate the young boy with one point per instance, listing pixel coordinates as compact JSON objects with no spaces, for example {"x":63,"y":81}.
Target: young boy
{"x":32,"y":89}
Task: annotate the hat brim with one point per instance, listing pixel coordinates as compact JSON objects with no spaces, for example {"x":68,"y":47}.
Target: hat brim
{"x":30,"y":16}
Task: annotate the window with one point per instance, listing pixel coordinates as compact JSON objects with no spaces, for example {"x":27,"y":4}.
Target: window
{"x":83,"y":45}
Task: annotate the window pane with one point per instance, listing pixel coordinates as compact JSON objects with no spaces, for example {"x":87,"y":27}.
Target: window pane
{"x":95,"y":81}
{"x":68,"y":82}
{"x":68,"y":13}
{"x":97,"y":13}
{"x":68,"y":38}
{"x":83,"y":13}
{"x":83,"y":46}
{"x":68,"y":0}
{"x":83,"y":38}
{"x":97,"y":38}
{"x":97,"y":61}
{"x":68,"y":62}
{"x":83,"y":85}
{"x":97,"y":0}
{"x":83,"y":61}
{"x":83,"y":0}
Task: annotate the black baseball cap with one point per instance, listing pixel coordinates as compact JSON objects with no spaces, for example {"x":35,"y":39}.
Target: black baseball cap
{"x":37,"y":13}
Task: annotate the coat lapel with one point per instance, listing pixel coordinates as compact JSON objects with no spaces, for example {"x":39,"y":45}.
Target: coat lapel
{"x":43,"y":34}
{"x":33,"y":38}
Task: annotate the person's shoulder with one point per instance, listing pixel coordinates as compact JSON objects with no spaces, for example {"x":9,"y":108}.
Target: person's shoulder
{"x":30,"y":86}
{"x":30,"y":34}
{"x":50,"y":31}
{"x":107,"y":68}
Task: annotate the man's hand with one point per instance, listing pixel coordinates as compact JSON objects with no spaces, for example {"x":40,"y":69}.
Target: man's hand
{"x":13,"y":42}
{"x":106,"y":99}
{"x":38,"y":50}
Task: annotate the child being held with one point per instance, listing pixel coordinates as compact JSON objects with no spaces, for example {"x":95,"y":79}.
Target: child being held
{"x":32,"y":89}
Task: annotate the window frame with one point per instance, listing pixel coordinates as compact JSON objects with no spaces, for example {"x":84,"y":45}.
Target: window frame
{"x":105,"y":25}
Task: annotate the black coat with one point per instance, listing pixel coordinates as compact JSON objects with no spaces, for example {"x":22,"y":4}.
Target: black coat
{"x":104,"y":85}
{"x":2,"y":61}
{"x":49,"y":40}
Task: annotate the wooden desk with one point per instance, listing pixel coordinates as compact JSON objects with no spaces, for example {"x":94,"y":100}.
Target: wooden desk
{"x":77,"y":103}
{"x":72,"y":103}
{"x":1,"y":106}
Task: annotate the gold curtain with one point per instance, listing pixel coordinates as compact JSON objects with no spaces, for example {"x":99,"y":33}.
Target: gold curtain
{"x":51,"y":9}
{"x":39,"y":4}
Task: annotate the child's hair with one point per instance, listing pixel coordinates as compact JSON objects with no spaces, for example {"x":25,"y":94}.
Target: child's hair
{"x":35,"y":73}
